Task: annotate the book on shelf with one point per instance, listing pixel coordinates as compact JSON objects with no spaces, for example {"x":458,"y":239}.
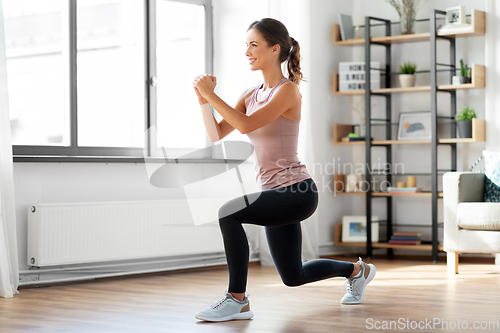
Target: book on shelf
{"x":407,"y":233}
{"x":411,"y":238}
{"x":351,"y":139}
{"x":402,"y":189}
{"x":405,"y":242}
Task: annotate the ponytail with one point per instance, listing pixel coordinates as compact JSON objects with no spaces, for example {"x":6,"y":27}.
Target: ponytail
{"x":293,"y":63}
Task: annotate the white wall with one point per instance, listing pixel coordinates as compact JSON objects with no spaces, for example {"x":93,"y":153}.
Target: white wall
{"x":326,"y":109}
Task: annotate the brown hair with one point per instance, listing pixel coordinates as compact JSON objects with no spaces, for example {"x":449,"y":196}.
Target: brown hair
{"x":275,"y":32}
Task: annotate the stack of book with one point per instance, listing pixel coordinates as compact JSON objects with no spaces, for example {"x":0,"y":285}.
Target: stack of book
{"x":406,"y":238}
{"x":352,"y":76}
{"x":353,"y":137}
{"x":402,"y":189}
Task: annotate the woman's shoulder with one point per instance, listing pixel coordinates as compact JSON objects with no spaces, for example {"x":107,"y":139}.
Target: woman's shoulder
{"x":289,"y":87}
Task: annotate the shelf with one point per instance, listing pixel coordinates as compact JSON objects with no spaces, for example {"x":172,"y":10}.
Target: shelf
{"x":338,"y":242}
{"x":478,"y":82}
{"x":477,"y":28}
{"x":384,"y":194}
{"x":478,"y":135}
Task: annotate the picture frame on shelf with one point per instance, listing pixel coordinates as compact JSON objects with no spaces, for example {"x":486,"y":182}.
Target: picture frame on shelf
{"x":346,"y":27}
{"x":414,"y":125}
{"x":455,"y":15}
{"x":354,"y":228}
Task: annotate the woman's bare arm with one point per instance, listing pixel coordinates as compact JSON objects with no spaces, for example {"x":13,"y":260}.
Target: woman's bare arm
{"x":217,"y":131}
{"x":285,"y":97}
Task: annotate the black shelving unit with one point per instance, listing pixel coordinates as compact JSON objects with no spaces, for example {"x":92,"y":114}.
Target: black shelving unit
{"x":382,"y":29}
{"x":434,"y":125}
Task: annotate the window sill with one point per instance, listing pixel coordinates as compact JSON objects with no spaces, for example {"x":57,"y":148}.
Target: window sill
{"x":118,"y":159}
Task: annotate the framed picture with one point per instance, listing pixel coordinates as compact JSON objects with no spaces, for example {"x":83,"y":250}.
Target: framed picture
{"x":346,"y":27}
{"x":354,"y":228}
{"x":414,"y":126}
{"x":455,"y":15}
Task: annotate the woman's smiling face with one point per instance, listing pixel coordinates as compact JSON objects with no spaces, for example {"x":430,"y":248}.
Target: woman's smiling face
{"x":260,"y":54}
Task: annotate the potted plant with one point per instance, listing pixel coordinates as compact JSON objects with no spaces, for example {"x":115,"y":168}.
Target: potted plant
{"x":464,"y":122}
{"x":464,"y":74}
{"x":407,"y":74}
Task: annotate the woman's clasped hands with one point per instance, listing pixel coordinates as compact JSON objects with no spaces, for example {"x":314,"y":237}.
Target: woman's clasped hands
{"x":204,"y":84}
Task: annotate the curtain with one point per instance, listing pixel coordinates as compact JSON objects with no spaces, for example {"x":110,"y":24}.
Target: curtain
{"x":294,"y":14}
{"x":9,"y":270}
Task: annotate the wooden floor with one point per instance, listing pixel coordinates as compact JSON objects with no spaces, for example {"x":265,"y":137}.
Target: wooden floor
{"x":402,"y":290}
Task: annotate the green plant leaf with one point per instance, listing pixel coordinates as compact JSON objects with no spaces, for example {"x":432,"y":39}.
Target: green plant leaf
{"x":466,"y":114}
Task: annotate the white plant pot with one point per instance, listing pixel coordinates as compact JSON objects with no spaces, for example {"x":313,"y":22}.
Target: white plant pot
{"x":407,"y":80}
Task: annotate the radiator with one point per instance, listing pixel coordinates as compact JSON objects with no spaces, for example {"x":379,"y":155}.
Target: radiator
{"x":75,"y":233}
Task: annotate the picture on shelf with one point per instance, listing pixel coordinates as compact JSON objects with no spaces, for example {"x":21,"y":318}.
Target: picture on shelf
{"x":346,"y":27}
{"x":354,"y":228}
{"x":456,"y":21}
{"x":455,"y":15}
{"x":414,"y":126}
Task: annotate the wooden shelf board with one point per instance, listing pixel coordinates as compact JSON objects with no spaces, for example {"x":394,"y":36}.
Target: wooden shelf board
{"x":422,"y":37}
{"x":412,"y":142}
{"x":477,"y":28}
{"x":391,"y":246}
{"x":478,"y":135}
{"x":399,"y":142}
{"x":349,"y":143}
{"x":384,"y":194}
{"x":337,"y":240}
{"x":459,"y":140}
{"x":411,"y":89}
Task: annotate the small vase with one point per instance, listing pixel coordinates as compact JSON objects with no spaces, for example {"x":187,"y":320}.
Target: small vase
{"x":407,"y":22}
{"x":464,"y":128}
{"x":407,"y":80}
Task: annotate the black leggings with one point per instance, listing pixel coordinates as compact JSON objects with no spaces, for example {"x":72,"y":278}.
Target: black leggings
{"x":280,"y":211}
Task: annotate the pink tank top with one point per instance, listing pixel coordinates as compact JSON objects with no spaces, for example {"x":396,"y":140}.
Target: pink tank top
{"x":275,"y":148}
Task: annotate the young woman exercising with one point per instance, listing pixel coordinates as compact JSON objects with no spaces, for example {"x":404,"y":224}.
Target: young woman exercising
{"x":269,"y":114}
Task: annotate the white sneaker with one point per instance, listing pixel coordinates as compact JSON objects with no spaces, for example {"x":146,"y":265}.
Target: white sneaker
{"x":227,"y":308}
{"x":356,"y":285}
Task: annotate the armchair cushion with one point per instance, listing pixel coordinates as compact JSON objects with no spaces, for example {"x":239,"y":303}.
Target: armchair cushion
{"x":478,"y":215}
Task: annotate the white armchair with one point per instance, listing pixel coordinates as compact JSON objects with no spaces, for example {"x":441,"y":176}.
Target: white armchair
{"x":470,"y":225}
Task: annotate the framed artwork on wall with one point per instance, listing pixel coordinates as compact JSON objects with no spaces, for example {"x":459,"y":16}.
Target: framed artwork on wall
{"x":414,"y":126}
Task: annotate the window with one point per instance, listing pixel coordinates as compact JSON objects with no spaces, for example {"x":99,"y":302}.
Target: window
{"x":93,"y":77}
{"x":180,"y":54}
{"x":36,"y":49}
{"x":110,"y":73}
